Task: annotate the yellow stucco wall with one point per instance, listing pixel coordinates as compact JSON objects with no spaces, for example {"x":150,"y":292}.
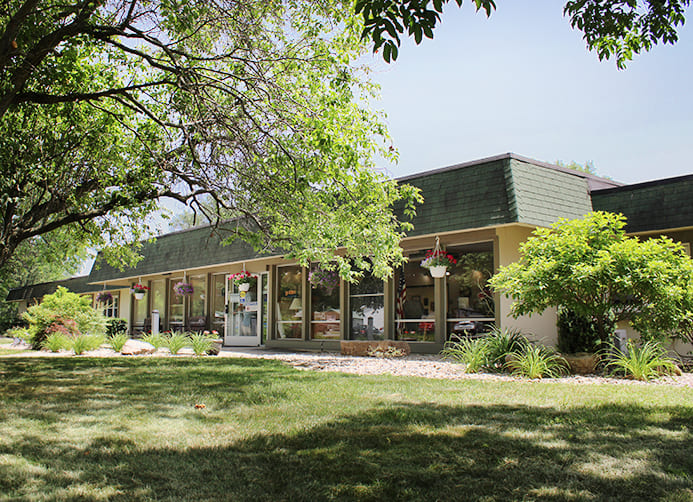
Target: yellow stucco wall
{"x":537,"y":327}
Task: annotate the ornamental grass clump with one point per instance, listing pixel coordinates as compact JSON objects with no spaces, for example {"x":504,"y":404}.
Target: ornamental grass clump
{"x":156,"y":340}
{"x":117,"y":341}
{"x":473,"y":353}
{"x":537,"y":362}
{"x":640,"y":363}
{"x":502,"y":342}
{"x":177,"y":341}
{"x":201,"y":345}
{"x":85,"y":343}
{"x":57,"y":341}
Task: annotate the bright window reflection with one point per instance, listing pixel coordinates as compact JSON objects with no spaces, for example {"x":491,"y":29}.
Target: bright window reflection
{"x":289,"y":302}
{"x":471,"y":308}
{"x":367,"y":300}
{"x":414,"y":303}
{"x":324,"y":293}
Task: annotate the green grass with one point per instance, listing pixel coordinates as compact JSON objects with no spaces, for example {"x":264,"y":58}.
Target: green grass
{"x":128,"y":429}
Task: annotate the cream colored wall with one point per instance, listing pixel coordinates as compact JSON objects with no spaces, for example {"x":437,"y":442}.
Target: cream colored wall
{"x":538,"y":327}
{"x":124,"y":308}
{"x":674,"y":346}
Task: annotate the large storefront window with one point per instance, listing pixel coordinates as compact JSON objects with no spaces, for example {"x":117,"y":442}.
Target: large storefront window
{"x":414,"y":303}
{"x":219,"y":302}
{"x":289,"y":302}
{"x":367,"y":301}
{"x":197,"y":319}
{"x":324,"y":296}
{"x":158,"y":293}
{"x":139,"y":312}
{"x":471,"y":308}
{"x":176,"y":307}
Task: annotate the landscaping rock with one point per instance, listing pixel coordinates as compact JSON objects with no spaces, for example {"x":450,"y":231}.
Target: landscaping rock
{"x":582,"y":363}
{"x":137,"y":347}
{"x":361,"y":347}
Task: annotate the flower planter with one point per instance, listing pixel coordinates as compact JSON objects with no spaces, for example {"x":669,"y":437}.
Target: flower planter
{"x":244,"y":287}
{"x":139,"y":296}
{"x":438,"y":271}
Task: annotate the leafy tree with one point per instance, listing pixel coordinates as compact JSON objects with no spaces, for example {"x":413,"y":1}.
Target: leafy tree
{"x":618,"y":28}
{"x":107,"y":107}
{"x":587,"y":167}
{"x":591,"y":267}
{"x":41,"y":259}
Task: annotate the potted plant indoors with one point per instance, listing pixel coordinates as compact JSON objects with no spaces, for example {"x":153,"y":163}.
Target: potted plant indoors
{"x":437,"y":262}
{"x":139,"y":290}
{"x":244,"y":280}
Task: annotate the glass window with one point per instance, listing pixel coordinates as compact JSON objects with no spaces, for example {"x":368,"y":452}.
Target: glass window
{"x":198,"y":300}
{"x":176,"y":307}
{"x":158,"y":293}
{"x":324,"y":296}
{"x":471,"y":308}
{"x":111,"y":309}
{"x":219,"y":302}
{"x":139,"y":310}
{"x":367,"y":301}
{"x":414,"y":302}
{"x":289,"y":302}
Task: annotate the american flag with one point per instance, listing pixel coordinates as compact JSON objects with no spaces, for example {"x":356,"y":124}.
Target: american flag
{"x":401,"y":298}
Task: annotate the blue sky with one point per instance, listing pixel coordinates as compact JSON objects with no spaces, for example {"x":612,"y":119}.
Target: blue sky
{"x":523,"y":81}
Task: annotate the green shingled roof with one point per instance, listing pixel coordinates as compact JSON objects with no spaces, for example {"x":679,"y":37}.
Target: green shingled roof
{"x":503,"y":189}
{"x":75,"y":284}
{"x":484,"y":193}
{"x":187,"y":249}
{"x":655,"y":205}
{"x":459,"y":197}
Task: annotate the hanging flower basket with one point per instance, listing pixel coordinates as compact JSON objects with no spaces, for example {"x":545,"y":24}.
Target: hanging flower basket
{"x":244,"y":280}
{"x":183,"y":289}
{"x":327,"y":280}
{"x":104,"y":297}
{"x":438,"y":271}
{"x":138,"y":290}
{"x":437,"y":261}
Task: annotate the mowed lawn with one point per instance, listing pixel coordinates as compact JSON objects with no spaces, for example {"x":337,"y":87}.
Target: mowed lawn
{"x":128,"y":429}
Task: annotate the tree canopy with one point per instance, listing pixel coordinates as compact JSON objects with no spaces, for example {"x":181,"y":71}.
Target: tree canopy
{"x":108,"y":106}
{"x":593,"y":268}
{"x":612,"y":28}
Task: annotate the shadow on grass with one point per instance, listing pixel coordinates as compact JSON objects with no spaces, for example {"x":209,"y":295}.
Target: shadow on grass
{"x":402,"y":451}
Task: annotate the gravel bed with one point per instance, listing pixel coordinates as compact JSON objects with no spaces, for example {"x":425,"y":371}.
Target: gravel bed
{"x":427,"y":366}
{"x":418,"y":365}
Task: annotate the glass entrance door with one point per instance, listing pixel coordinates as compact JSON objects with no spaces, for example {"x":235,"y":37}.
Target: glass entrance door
{"x":243,"y":323}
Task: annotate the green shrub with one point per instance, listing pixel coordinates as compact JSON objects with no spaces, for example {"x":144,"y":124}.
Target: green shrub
{"x":115,"y":326}
{"x":537,"y":362}
{"x":55,"y":342}
{"x":117,"y":340}
{"x":641,"y":363}
{"x":473,"y":353}
{"x":85,"y":343}
{"x":19,"y":332}
{"x":502,"y":342}
{"x":578,"y":333}
{"x":157,"y":340}
{"x":64,"y":312}
{"x":200,"y":344}
{"x":177,"y":341}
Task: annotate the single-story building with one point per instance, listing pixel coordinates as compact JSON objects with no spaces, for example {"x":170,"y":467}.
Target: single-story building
{"x":481,"y":211}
